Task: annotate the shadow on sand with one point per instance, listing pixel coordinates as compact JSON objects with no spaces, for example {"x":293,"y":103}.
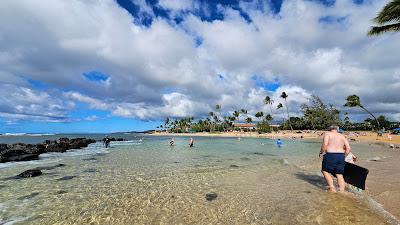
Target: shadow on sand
{"x":313,"y":179}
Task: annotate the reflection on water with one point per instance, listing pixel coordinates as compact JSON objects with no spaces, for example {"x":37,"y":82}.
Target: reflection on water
{"x":149,"y":182}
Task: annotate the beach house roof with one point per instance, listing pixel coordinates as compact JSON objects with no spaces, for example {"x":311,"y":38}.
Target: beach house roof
{"x":244,"y":125}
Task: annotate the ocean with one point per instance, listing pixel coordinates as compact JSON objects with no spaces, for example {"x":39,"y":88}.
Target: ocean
{"x":146,"y":181}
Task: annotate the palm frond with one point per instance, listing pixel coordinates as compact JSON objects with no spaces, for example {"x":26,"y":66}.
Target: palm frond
{"x":384,"y":28}
{"x":389,"y":13}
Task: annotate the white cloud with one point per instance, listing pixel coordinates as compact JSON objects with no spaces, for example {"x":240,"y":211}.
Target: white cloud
{"x":159,"y":70}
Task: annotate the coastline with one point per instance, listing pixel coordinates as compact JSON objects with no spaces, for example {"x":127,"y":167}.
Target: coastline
{"x":365,"y":137}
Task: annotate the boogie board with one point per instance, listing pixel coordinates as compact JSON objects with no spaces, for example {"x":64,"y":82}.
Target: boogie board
{"x":355,"y":175}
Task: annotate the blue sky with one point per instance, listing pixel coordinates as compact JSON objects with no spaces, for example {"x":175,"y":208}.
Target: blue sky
{"x":132,"y":63}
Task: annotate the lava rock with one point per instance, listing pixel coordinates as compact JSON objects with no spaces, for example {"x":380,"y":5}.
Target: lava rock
{"x":90,"y":159}
{"x":50,"y":167}
{"x":90,"y":170}
{"x":30,"y":173}
{"x":28,"y":196}
{"x":26,"y":152}
{"x":66,"y":178}
{"x":211,"y":196}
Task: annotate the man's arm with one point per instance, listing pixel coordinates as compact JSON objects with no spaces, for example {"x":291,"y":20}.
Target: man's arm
{"x":324,"y":145}
{"x":347,"y":147}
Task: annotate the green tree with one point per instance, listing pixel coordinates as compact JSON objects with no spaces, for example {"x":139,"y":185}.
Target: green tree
{"x":354,"y":101}
{"x":285,"y":96}
{"x":268,"y":118}
{"x":279,"y":106}
{"x":388,"y":19}
{"x":318,"y":114}
{"x":249,"y":120}
{"x":269,"y":101}
{"x":258,"y":115}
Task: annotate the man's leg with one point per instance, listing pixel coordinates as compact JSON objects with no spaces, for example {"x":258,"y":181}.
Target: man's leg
{"x":341,"y":182}
{"x":329,"y":181}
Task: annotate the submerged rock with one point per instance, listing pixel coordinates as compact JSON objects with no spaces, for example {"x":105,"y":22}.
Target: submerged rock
{"x":28,"y":196}
{"x":61,"y":192}
{"x":66,"y":178}
{"x":376,"y":159}
{"x":50,"y":167}
{"x":234,"y":166}
{"x":90,"y":159}
{"x":211,"y":196}
{"x":258,"y":153}
{"x":30,"y":173}
{"x":90,"y":170}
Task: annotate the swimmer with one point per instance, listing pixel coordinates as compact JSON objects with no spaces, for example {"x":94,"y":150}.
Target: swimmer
{"x":279,"y":142}
{"x":172,"y":142}
{"x":191,"y":142}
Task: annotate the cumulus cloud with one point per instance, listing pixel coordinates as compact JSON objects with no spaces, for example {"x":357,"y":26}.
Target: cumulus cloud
{"x":184,"y":69}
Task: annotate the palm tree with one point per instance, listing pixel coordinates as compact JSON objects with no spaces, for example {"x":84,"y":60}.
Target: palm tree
{"x":249,"y":120}
{"x":388,"y":19}
{"x":269,"y":101}
{"x":166,"y":123}
{"x":236,"y":114}
{"x":258,"y":115}
{"x":284,"y":96}
{"x":268,"y":118}
{"x":354,"y":101}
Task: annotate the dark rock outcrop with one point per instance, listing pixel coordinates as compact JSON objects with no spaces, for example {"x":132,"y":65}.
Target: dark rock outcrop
{"x":30,"y":173}
{"x":211,"y":196}
{"x":26,"y":152}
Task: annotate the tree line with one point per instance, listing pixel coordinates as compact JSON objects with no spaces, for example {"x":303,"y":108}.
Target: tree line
{"x":316,"y":115}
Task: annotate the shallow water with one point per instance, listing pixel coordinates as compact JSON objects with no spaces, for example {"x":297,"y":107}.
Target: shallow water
{"x":148,"y":182}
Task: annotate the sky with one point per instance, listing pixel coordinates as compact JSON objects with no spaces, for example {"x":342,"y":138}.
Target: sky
{"x":121,"y":65}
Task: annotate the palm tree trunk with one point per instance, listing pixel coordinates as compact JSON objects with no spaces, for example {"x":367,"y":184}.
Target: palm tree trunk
{"x":376,"y":120}
{"x":287,"y":110}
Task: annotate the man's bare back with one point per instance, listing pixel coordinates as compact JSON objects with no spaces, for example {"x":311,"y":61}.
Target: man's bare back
{"x":334,"y":142}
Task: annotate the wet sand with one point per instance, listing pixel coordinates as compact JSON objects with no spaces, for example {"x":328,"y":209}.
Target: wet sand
{"x":383,"y":182}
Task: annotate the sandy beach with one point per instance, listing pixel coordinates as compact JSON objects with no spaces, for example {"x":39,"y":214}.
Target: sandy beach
{"x":383,"y":180}
{"x":363,"y":136}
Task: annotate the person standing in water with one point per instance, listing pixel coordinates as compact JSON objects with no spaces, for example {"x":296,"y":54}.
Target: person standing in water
{"x":279,"y":142}
{"x":191,"y":142}
{"x":172,"y":142}
{"x":333,"y":151}
{"x":106,"y":141}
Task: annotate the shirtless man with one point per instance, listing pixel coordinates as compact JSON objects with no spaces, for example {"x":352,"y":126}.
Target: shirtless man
{"x":333,"y":150}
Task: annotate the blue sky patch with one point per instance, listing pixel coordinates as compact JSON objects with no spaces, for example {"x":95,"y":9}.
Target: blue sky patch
{"x":95,"y":76}
{"x":38,"y":85}
{"x":268,"y":86}
{"x":332,"y":19}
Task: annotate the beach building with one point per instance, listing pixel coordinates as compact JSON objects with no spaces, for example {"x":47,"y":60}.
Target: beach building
{"x":245,"y":126}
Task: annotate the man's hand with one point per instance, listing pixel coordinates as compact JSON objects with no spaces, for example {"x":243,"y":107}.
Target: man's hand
{"x":321,"y":155}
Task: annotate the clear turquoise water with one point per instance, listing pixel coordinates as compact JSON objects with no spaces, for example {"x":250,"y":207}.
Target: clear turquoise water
{"x":146,"y":181}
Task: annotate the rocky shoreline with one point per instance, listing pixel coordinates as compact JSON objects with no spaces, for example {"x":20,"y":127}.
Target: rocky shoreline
{"x":26,"y":152}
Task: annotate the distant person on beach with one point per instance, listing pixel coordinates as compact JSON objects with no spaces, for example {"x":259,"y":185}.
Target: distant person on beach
{"x":191,"y":142}
{"x":106,"y":141}
{"x":333,"y":150}
{"x":172,"y":142}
